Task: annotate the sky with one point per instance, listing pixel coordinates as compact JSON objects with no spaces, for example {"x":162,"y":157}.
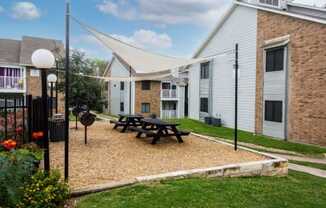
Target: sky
{"x":171,"y":27}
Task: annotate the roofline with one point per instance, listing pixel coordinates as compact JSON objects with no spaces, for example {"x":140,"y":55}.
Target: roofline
{"x":41,"y":38}
{"x":108,"y":67}
{"x":281,"y":12}
{"x":307,"y":6}
{"x":237,"y":3}
{"x":215,"y":30}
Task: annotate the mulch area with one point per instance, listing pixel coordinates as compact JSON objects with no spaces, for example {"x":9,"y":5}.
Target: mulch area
{"x":112,"y":156}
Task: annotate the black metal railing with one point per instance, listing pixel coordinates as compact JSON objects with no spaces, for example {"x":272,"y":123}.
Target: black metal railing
{"x":15,"y":118}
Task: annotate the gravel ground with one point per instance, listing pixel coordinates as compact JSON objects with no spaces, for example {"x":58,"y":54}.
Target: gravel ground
{"x":113,"y":156}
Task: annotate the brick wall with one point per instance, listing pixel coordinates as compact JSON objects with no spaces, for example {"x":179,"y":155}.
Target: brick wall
{"x":34,"y":88}
{"x":307,"y":75}
{"x":152,"y":96}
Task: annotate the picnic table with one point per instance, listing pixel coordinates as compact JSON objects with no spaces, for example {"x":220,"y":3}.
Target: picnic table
{"x":128,"y":120}
{"x":157,"y":128}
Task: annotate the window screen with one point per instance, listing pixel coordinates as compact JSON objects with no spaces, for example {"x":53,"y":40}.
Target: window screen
{"x":204,"y":70}
{"x":145,"y":108}
{"x":275,"y":59}
{"x":204,"y":105}
{"x":273,"y":111}
{"x":146,"y":85}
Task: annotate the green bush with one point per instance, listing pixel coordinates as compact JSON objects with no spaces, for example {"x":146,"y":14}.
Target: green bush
{"x":44,"y":191}
{"x":16,"y":167}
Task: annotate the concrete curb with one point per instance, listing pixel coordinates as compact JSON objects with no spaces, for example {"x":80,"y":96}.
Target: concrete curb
{"x":101,"y":187}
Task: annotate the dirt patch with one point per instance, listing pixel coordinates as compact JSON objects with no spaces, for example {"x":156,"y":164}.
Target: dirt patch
{"x":114,"y":156}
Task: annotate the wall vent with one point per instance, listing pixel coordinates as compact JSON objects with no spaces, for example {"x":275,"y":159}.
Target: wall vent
{"x":280,"y":4}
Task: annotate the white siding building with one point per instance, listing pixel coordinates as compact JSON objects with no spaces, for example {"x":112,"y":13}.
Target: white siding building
{"x":172,"y":94}
{"x":212,"y":92}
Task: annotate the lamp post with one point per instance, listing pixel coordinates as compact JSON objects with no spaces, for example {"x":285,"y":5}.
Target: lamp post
{"x":43,"y":59}
{"x":52,"y":79}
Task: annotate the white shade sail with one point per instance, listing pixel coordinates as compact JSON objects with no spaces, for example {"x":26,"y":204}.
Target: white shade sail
{"x":140,"y":60}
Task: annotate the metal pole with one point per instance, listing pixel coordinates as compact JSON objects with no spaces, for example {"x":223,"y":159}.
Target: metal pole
{"x":45,"y":121}
{"x":236,"y":98}
{"x":129,"y":89}
{"x":66,"y":168}
{"x":56,"y":89}
{"x":51,"y":99}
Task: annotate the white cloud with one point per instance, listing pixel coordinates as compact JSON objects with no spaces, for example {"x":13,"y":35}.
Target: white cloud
{"x":167,"y":12}
{"x":147,"y":39}
{"x":25,"y":11}
{"x":119,"y":9}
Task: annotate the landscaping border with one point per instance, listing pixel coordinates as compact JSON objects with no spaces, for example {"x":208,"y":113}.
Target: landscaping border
{"x":273,"y":166}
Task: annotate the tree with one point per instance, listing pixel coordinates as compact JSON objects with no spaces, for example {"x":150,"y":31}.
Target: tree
{"x":84,"y":90}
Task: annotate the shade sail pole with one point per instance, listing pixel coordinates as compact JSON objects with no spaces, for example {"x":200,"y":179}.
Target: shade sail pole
{"x":66,"y":155}
{"x":130,"y":89}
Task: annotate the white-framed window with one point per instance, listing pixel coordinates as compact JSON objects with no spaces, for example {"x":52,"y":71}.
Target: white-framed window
{"x":35,"y":73}
{"x":204,"y":70}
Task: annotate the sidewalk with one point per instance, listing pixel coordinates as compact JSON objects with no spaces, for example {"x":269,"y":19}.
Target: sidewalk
{"x":309,"y":170}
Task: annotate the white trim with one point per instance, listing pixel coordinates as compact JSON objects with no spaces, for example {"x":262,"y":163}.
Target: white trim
{"x":215,"y":30}
{"x":307,"y":6}
{"x":275,"y":42}
{"x":299,"y":16}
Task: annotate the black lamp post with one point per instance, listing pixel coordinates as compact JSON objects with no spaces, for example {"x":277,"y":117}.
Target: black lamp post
{"x":43,"y":60}
{"x":52,"y":79}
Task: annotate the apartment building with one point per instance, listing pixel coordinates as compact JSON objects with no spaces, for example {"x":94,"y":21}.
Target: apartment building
{"x":165,"y":97}
{"x":17,"y":74}
{"x":282,"y":70}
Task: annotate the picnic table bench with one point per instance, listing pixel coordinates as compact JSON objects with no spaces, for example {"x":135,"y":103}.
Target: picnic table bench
{"x":156,"y":128}
{"x":127,"y":120}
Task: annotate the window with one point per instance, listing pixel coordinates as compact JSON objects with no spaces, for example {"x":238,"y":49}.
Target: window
{"x":204,"y":105}
{"x":204,"y":70}
{"x":122,"y":86}
{"x":146,"y":85}
{"x":122,"y":107}
{"x":145,"y":108}
{"x":275,"y":59}
{"x":166,"y":85}
{"x":273,"y":111}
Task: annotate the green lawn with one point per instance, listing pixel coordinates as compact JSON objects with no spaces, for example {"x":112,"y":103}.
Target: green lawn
{"x":309,"y":164}
{"x":297,"y":190}
{"x":227,"y":133}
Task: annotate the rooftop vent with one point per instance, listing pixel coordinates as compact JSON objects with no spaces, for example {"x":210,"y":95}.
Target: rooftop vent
{"x":280,"y":4}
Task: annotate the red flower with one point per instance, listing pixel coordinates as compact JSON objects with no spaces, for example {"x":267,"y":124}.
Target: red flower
{"x":37,"y":135}
{"x":9,"y":144}
{"x":19,"y":130}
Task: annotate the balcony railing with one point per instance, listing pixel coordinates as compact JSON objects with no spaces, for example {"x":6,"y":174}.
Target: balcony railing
{"x":168,"y":93}
{"x":11,"y":83}
{"x":166,"y":114}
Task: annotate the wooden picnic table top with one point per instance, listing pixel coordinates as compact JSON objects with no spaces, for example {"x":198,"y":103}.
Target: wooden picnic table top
{"x":158,"y":122}
{"x":131,"y":116}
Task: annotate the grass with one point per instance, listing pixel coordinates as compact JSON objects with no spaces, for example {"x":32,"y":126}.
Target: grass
{"x":243,"y":136}
{"x":297,"y":190}
{"x":309,"y":164}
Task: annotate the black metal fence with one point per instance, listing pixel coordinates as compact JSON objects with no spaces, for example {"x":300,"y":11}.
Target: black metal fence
{"x":16,"y":118}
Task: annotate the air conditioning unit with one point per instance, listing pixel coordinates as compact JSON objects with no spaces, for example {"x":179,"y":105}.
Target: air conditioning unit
{"x":279,"y":4}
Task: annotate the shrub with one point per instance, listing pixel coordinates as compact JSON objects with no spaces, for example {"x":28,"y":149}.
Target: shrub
{"x":16,"y":167}
{"x":44,"y":191}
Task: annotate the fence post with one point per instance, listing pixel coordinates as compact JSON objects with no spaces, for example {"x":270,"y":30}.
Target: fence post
{"x":6,"y":122}
{"x":29,"y":117}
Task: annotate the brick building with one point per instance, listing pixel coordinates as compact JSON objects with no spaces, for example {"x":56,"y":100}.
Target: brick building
{"x":17,"y":74}
{"x":282,"y":67}
{"x":165,"y":97}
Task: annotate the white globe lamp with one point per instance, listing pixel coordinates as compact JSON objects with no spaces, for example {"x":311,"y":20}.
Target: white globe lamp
{"x":43,"y":59}
{"x":52,"y":78}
